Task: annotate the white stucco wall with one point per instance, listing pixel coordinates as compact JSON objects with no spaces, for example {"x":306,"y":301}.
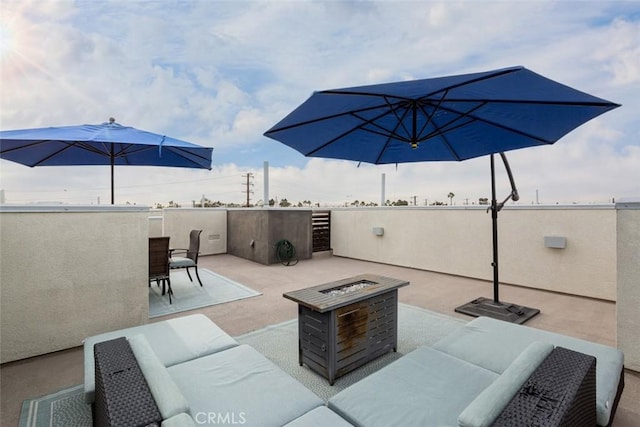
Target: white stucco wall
{"x":178,"y":223}
{"x":155,"y":224}
{"x":628,"y":266}
{"x":457,"y":240}
{"x":67,"y":273}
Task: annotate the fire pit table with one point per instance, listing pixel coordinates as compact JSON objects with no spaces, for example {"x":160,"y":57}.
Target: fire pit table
{"x":344,"y":324}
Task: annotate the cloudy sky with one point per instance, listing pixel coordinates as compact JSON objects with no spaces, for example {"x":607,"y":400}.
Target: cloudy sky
{"x":220,"y":73}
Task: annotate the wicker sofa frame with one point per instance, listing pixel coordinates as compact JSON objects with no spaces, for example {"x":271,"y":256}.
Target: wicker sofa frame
{"x":561,"y":392}
{"x":122,"y":395}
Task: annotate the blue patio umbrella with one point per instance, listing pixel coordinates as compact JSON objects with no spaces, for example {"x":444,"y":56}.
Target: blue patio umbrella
{"x":104,"y":144}
{"x":451,"y":118}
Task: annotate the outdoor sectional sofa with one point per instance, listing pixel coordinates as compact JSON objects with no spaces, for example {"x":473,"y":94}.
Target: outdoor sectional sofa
{"x":187,"y":371}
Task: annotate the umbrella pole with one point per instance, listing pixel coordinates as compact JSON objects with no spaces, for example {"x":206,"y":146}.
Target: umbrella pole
{"x":494,"y":220}
{"x":494,"y":308}
{"x":113,"y":161}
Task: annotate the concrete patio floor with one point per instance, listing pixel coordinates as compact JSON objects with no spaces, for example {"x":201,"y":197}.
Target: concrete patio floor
{"x":585,"y":318}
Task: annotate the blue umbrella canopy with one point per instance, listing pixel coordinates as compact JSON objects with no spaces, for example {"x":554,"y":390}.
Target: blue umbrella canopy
{"x":104,"y":144}
{"x":446,"y":118}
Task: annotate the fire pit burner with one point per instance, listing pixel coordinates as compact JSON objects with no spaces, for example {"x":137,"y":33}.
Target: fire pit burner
{"x":351,"y":287}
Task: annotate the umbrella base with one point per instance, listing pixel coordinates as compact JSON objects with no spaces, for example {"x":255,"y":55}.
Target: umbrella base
{"x":502,"y":310}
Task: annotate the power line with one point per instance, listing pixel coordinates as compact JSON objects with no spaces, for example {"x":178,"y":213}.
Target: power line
{"x":156,"y":184}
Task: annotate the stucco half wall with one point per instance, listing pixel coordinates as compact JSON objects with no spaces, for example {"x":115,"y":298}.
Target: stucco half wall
{"x":628,"y":306}
{"x":178,"y":223}
{"x":457,"y":240}
{"x":68,"y":273}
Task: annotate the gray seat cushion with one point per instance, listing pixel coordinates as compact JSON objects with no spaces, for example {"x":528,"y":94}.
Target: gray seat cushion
{"x":495,"y":344}
{"x":180,"y":262}
{"x":423,"y":388}
{"x":319,"y":417}
{"x":490,"y":403}
{"x":173,"y":341}
{"x":180,"y":420}
{"x":168,"y":397}
{"x":241,"y":384}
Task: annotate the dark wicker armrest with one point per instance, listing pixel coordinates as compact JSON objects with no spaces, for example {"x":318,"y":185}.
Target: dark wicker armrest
{"x":122,"y":395}
{"x":560,"y":392}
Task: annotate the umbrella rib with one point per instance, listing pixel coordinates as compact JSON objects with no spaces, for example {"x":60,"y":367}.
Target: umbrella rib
{"x":355,"y":128}
{"x":329,"y":117}
{"x":529,"y":102}
{"x":446,"y":89}
{"x":442,"y":130}
{"x":391,"y":134}
{"x":67,"y":146}
{"x":460,"y":116}
{"x":499,"y":73}
{"x":489,"y":122}
{"x":368,"y":94}
{"x":439,"y":131}
{"x":400,"y":122}
{"x":9,"y":150}
{"x":430,"y":116}
{"x":510,"y":129}
{"x":178,"y":151}
{"x":124,"y":152}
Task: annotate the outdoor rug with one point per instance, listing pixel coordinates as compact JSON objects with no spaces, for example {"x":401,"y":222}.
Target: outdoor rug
{"x":64,"y":408}
{"x":187,"y":295}
{"x":416,"y":327}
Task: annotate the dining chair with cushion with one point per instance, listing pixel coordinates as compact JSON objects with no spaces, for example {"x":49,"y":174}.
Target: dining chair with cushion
{"x":190,"y":258}
{"x":159,"y":263}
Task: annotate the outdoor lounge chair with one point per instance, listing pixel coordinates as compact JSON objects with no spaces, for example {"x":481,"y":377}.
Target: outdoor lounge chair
{"x":159,"y":263}
{"x":191,"y":255}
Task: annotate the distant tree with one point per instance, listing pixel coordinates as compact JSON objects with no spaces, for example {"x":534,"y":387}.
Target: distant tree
{"x":451,"y":196}
{"x":483,"y":201}
{"x":207,"y":203}
{"x":272,"y":202}
{"x":437,"y":203}
{"x":284,"y":203}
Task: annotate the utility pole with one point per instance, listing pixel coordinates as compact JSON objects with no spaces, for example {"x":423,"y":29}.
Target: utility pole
{"x":249,"y":185}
